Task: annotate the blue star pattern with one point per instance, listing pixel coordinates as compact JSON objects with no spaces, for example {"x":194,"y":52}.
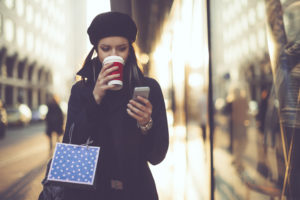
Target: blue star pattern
{"x":74,"y":164}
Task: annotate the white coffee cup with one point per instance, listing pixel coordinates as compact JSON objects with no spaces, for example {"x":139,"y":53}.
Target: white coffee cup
{"x":119,"y":62}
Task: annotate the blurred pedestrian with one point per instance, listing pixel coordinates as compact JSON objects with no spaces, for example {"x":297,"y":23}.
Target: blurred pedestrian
{"x":203,"y":113}
{"x":240,"y":122}
{"x":54,"y":120}
{"x":130,"y":132}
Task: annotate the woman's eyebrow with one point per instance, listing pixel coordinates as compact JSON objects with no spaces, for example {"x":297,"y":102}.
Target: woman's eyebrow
{"x":106,"y":45}
{"x":121,"y":45}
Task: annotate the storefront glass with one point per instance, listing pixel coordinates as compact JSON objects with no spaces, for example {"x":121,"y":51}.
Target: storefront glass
{"x":255,"y":50}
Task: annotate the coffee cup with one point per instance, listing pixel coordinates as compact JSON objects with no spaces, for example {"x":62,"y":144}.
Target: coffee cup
{"x":119,"y":62}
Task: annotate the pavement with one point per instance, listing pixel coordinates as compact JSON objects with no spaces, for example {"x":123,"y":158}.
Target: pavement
{"x":23,"y":155}
{"x":183,"y":175}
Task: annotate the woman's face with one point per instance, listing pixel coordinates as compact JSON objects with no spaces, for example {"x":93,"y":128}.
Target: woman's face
{"x":113,"y":46}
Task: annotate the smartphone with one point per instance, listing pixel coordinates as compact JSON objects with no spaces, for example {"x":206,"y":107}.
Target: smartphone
{"x":141,"y":91}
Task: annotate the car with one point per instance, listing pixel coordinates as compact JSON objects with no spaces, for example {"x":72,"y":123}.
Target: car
{"x":3,"y":120}
{"x":19,"y":115}
{"x":39,"y":113}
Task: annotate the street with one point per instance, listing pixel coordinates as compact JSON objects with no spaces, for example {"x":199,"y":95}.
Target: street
{"x":23,"y":156}
{"x":24,"y":153}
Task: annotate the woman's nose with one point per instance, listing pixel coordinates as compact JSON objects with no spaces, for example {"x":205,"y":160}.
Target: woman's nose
{"x":113,"y":52}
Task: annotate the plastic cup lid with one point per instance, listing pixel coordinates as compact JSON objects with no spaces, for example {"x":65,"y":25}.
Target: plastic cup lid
{"x":110,"y":59}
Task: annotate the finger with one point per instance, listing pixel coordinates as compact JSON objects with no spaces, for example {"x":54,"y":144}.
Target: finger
{"x":103,"y":88}
{"x":104,"y":68}
{"x":110,"y":70}
{"x":143,"y":116}
{"x":146,"y":107}
{"x":108,"y":87}
{"x":107,"y":66}
{"x":103,"y":80}
{"x":145,"y":101}
{"x":110,"y":77}
{"x":103,"y":74}
{"x":138,"y":105}
{"x":135,"y":116}
{"x":137,"y":111}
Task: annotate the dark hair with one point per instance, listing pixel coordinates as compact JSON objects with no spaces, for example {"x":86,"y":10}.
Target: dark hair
{"x":132,"y":71}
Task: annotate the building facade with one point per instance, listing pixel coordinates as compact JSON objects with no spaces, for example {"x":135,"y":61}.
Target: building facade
{"x":39,"y":48}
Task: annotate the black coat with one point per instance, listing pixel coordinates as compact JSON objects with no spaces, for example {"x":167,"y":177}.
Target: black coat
{"x":125,"y":151}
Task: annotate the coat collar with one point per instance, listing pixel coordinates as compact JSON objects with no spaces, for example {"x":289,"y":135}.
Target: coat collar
{"x":90,"y":70}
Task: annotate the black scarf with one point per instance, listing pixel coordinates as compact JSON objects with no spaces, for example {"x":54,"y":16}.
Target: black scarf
{"x":120,"y":125}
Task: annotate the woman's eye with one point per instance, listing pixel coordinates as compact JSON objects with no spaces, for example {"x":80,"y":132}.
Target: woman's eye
{"x":105,"y":48}
{"x":122,"y":48}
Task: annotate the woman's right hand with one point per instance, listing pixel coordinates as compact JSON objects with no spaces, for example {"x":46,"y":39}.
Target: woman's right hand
{"x":103,"y":78}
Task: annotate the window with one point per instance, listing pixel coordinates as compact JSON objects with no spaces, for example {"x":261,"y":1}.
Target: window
{"x":1,"y":24}
{"x":38,"y":20}
{"x":29,"y":13}
{"x":9,"y":4}
{"x":20,"y":36}
{"x":30,"y":41}
{"x":20,"y":7}
{"x":9,"y":30}
{"x":38,"y":45}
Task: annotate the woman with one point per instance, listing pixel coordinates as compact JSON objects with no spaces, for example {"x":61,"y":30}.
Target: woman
{"x":54,"y":120}
{"x":130,"y":132}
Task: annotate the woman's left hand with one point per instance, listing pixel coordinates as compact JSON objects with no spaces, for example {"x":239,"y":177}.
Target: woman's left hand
{"x":140,"y":109}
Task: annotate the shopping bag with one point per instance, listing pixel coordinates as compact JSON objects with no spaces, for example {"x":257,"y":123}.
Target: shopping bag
{"x":74,"y":165}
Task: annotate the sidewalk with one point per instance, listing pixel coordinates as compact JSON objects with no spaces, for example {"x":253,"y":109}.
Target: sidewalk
{"x":183,"y":174}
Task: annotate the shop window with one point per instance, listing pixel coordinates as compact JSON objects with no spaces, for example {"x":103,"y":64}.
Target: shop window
{"x":29,"y":97}
{"x":8,"y":96}
{"x":257,"y":108}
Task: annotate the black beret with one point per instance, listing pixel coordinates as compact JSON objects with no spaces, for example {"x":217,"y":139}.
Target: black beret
{"x":112,"y":24}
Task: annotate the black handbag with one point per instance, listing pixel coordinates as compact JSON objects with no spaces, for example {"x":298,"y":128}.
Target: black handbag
{"x":51,"y":191}
{"x":53,"y":187}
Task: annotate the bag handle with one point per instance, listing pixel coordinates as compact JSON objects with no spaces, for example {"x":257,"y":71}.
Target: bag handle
{"x":88,"y":141}
{"x":71,"y":132}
